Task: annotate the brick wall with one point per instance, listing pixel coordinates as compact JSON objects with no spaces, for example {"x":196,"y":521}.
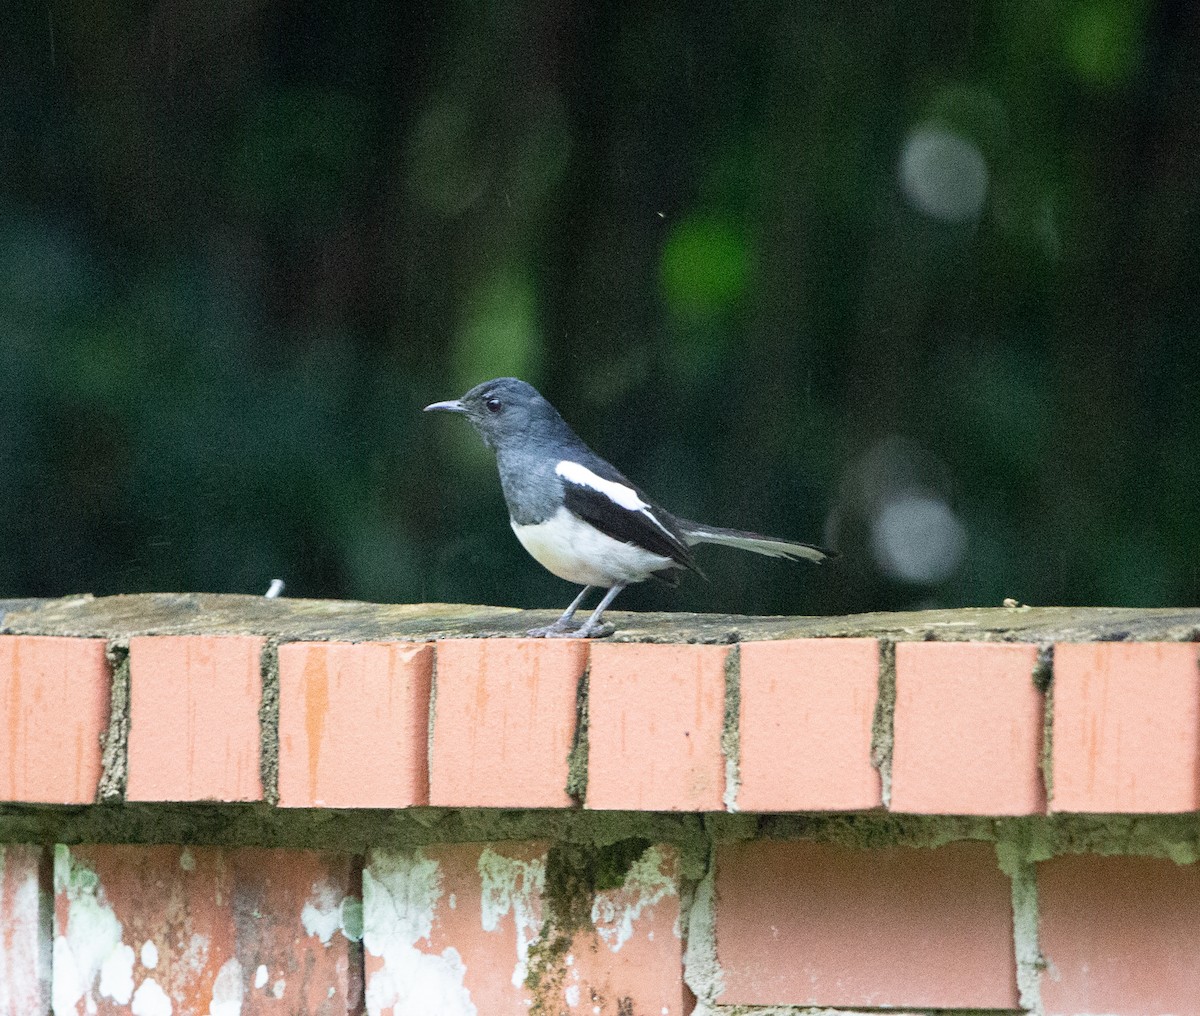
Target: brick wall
{"x":220,"y":805}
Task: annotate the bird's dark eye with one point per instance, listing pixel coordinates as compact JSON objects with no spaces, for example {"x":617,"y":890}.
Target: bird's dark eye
{"x":493,"y":405}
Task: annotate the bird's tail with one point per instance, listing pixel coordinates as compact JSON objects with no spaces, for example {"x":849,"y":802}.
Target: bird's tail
{"x":698,"y":532}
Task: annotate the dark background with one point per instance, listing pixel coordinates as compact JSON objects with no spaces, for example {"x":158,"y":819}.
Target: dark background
{"x":919,"y":280}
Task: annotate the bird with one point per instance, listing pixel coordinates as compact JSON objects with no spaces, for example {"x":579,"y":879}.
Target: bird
{"x":578,"y":516}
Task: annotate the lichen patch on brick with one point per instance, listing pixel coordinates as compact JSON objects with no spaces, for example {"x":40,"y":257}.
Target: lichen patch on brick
{"x":90,"y":958}
{"x":616,"y":911}
{"x":578,"y":876}
{"x":509,"y":885}
{"x":329,"y":911}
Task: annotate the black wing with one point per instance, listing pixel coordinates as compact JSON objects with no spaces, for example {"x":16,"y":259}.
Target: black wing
{"x":651,"y":529}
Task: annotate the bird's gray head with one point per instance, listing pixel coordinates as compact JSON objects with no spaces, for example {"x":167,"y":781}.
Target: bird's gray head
{"x":506,"y":409}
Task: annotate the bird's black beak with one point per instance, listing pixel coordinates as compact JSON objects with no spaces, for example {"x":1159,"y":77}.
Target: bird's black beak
{"x":452,"y":406}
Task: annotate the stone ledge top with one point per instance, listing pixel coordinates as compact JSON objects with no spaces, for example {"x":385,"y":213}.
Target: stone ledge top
{"x":287,"y":619}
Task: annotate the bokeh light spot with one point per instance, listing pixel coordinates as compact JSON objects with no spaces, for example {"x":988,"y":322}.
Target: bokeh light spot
{"x":918,"y":538}
{"x":444,"y":172}
{"x":705,"y":267}
{"x":943,"y":175}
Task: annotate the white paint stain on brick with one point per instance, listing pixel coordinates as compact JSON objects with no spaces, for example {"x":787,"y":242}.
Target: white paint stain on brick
{"x":278,"y":988}
{"x":510,"y":885}
{"x":260,"y":976}
{"x":150,"y":1000}
{"x":187,"y":860}
{"x":149,"y":954}
{"x":614,"y":913}
{"x":91,"y":948}
{"x":116,"y":975}
{"x":228,"y":990}
{"x":401,"y":890}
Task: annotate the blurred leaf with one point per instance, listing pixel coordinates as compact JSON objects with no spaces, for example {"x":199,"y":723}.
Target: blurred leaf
{"x":706,"y":266}
{"x":498,"y":336}
{"x":445,"y":172}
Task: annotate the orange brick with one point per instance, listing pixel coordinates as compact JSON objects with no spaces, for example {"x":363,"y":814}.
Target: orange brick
{"x":655,"y":714}
{"x":802,"y":923}
{"x":193,"y":730}
{"x":968,"y":730}
{"x":353,"y":724}
{"x":24,"y":926}
{"x":53,"y":710}
{"x":505,"y":719}
{"x":1121,"y":936}
{"x":460,"y":924}
{"x":806,"y":712}
{"x":204,"y":929}
{"x":1126,"y":727}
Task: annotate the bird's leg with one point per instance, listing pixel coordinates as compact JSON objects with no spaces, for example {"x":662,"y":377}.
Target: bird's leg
{"x":592,"y":627}
{"x":564,"y":623}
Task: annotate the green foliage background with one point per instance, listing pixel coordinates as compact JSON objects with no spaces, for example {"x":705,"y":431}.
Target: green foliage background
{"x":242,"y":243}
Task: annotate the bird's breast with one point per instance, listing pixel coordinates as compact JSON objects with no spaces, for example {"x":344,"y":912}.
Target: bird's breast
{"x":572,"y":549}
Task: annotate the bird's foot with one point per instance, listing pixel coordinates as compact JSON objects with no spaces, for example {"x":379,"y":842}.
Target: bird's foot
{"x":585,"y":631}
{"x":559,"y":629}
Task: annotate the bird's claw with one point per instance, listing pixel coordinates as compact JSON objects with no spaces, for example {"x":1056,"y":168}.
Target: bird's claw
{"x":586,"y":631}
{"x":558,"y":629}
{"x":572,"y":629}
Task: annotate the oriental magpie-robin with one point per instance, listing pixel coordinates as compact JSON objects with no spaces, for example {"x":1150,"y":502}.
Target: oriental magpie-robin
{"x":577,"y":515}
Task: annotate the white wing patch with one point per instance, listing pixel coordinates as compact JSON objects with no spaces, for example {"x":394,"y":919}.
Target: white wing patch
{"x":626,"y":497}
{"x":618,"y":493}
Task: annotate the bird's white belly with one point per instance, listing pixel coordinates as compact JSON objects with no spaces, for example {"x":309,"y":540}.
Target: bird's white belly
{"x":573,"y":550}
